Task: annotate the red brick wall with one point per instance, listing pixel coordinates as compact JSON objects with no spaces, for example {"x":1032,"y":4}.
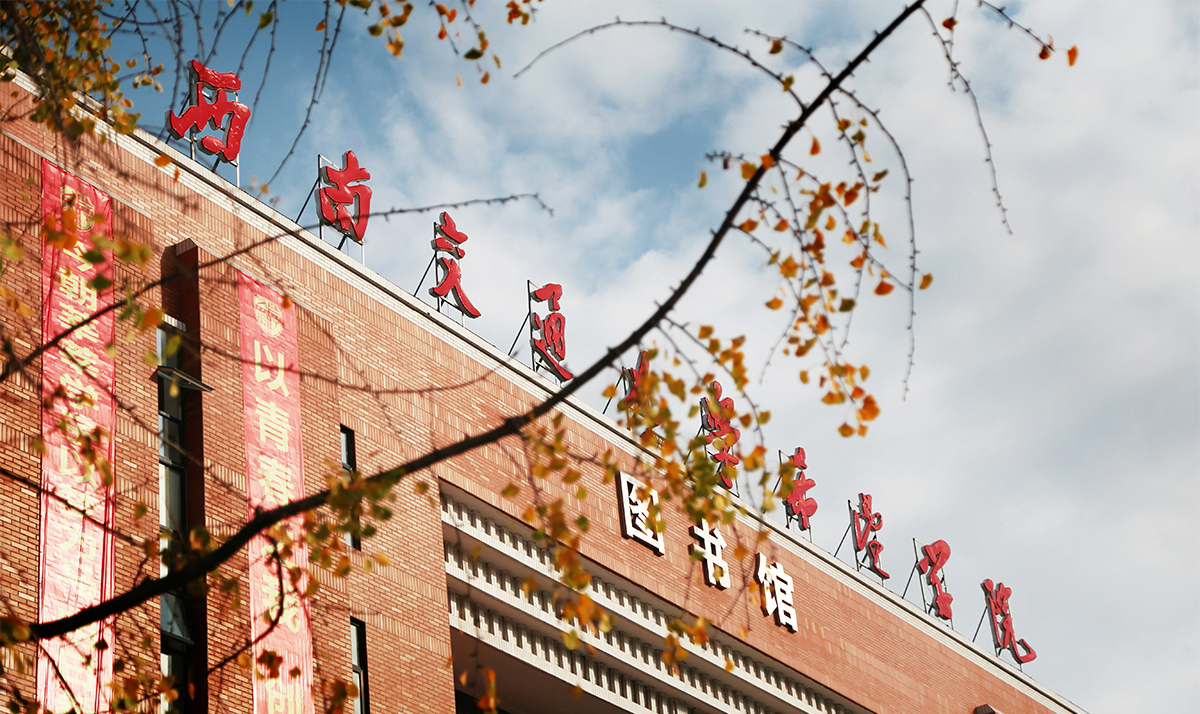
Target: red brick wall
{"x":384,"y":375}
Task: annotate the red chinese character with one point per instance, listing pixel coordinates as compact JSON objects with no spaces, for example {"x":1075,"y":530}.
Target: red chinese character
{"x":1003,"y":634}
{"x":340,"y":196}
{"x":447,"y":238}
{"x":866,"y":521}
{"x":936,"y":555}
{"x":634,"y":378}
{"x":202,"y":113}
{"x":796,"y":504}
{"x":551,"y":347}
{"x":719,"y":426}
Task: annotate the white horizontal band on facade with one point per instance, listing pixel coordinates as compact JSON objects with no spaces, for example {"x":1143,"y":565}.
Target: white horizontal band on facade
{"x":638,"y":642}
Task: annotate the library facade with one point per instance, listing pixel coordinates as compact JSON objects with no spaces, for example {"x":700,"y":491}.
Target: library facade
{"x":280,"y":361}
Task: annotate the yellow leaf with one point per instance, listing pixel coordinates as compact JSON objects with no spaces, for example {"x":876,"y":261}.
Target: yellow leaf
{"x":485,"y":78}
{"x":728,"y":664}
{"x":703,"y":179}
{"x":816,"y":147}
{"x":865,"y":372}
{"x":884,"y":288}
{"x":846,"y":430}
{"x":789,"y":267}
{"x":748,"y":170}
{"x":767,"y":161}
{"x":162,"y":160}
{"x":748,"y":225}
{"x":804,"y":376}
{"x":782,"y":225}
{"x":1072,"y":55}
{"x":705,"y":332}
{"x":788,"y":81}
{"x":577,"y":691}
{"x":774,"y":303}
{"x":862,"y":429}
{"x":776,"y":46}
{"x":459,"y":79}
{"x":926,"y":280}
{"x":830,"y":224}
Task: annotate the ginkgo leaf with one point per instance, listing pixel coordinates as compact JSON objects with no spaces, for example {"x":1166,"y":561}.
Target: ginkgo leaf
{"x":486,"y":76}
{"x":804,"y":376}
{"x":816,"y":147}
{"x":847,"y":305}
{"x":846,"y":430}
{"x":776,"y":46}
{"x":869,"y":410}
{"x":321,"y":26}
{"x":265,"y":19}
{"x":748,"y":170}
{"x":884,"y":288}
{"x":749,"y":225}
{"x":788,"y":81}
{"x":1072,"y":55}
{"x":774,"y":303}
{"x":767,"y":161}
{"x":162,"y":160}
{"x":472,"y":54}
{"x":782,"y":225}
{"x":703,"y":179}
{"x":949,"y":23}
{"x":926,"y":280}
{"x":1045,"y":53}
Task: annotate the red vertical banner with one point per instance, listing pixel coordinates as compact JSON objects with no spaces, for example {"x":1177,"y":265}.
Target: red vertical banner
{"x":274,"y":476}
{"x":78,"y":378}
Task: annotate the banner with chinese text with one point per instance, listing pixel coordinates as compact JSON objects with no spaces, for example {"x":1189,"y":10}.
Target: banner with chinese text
{"x":78,"y":378}
{"x":274,"y":476}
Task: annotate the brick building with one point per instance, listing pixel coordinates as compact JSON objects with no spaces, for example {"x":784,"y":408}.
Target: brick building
{"x":383,"y":377}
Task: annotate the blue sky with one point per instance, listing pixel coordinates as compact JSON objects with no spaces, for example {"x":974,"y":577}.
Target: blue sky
{"x":1051,"y":433}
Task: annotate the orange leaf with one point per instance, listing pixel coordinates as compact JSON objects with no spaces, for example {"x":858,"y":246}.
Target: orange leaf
{"x":884,"y":288}
{"x":442,"y":9}
{"x":830,"y":224}
{"x":748,"y":170}
{"x":774,"y":303}
{"x":846,"y":430}
{"x":1045,"y":53}
{"x":442,"y":33}
{"x":776,"y":46}
{"x":453,"y":14}
{"x":926,"y":280}
{"x":749,"y":225}
{"x":703,"y":179}
{"x":1072,"y":55}
{"x":321,"y":26}
{"x":949,"y":23}
{"x":816,"y":147}
{"x":162,"y":160}
{"x":782,"y":225}
{"x":869,"y":410}
{"x":486,"y":76}
{"x":767,"y":161}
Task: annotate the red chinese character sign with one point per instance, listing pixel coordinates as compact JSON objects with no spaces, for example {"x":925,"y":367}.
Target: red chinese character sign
{"x":220,"y":113}
{"x":77,"y":505}
{"x":274,"y":477}
{"x":1003,"y":632}
{"x":936,"y":555}
{"x":866,"y":524}
{"x":346,"y":200}
{"x":796,"y":505}
{"x":716,"y":416}
{"x":634,"y":378}
{"x":447,"y":246}
{"x":550,"y":348}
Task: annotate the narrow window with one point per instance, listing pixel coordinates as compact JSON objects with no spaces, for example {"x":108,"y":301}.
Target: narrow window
{"x":350,"y":463}
{"x":176,"y":634}
{"x":358,"y":665}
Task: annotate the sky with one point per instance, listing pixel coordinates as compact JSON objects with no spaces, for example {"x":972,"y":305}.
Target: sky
{"x":1051,"y":428}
